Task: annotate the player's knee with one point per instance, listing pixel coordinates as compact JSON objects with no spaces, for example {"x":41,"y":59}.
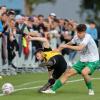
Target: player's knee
{"x":84,"y":73}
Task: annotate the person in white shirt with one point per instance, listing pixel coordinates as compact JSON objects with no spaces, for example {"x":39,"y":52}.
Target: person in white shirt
{"x":89,"y":59}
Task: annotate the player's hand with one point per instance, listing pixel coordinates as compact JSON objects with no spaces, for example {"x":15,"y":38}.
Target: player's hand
{"x":62,"y":46}
{"x":56,"y":50}
{"x":29,"y":38}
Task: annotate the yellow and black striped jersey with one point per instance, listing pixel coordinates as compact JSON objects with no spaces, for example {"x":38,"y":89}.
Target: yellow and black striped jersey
{"x":48,"y":53}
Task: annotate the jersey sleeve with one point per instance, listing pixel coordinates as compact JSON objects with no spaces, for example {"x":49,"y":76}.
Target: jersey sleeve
{"x":85,"y":40}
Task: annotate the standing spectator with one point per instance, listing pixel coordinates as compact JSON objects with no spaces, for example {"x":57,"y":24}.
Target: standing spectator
{"x":52,"y":16}
{"x":11,"y":14}
{"x":4,"y":38}
{"x":19,"y":28}
{"x":12,"y":45}
{"x":61,"y":25}
{"x":54,"y":33}
{"x":2,"y":10}
{"x":1,"y":30}
{"x":93,"y":31}
{"x":41,"y":24}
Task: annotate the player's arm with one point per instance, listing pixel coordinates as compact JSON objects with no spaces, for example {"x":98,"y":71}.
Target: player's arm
{"x":77,"y":48}
{"x":41,"y":39}
{"x":48,"y":64}
{"x":35,"y":34}
{"x":62,"y":46}
{"x":70,"y":45}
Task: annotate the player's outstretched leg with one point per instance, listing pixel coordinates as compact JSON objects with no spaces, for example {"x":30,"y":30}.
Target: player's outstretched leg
{"x":47,"y":85}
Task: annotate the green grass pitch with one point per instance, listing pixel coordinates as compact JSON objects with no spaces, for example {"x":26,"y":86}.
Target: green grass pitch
{"x":27,"y":85}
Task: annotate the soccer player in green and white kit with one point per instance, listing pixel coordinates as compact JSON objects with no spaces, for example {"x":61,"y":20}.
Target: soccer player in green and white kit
{"x":89,"y":59}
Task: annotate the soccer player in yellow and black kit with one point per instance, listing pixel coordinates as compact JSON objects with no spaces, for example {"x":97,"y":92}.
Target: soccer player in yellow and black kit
{"x":53,"y":60}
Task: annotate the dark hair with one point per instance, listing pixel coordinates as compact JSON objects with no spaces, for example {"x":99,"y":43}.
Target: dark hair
{"x":40,"y":15}
{"x":11,"y":12}
{"x":81,"y":28}
{"x":2,"y":6}
{"x":66,"y":20}
{"x":92,"y":22}
{"x":31,"y":19}
{"x":39,"y":50}
{"x":56,"y":20}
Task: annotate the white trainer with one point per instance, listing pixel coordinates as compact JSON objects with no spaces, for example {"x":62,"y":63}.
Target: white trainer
{"x":48,"y":91}
{"x":91,"y":92}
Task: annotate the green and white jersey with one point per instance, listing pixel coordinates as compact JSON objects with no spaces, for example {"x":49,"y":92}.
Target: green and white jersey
{"x":90,"y":52}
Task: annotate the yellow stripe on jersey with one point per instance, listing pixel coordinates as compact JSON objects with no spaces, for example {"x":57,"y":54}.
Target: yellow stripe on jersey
{"x":50,"y":54}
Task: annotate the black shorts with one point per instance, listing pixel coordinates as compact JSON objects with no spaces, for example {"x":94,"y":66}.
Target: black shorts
{"x":59,"y":66}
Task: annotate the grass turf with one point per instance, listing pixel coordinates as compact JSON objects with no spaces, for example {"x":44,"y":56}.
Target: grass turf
{"x":28,"y":82}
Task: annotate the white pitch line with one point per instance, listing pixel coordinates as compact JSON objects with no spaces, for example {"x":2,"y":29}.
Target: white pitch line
{"x":22,"y":89}
{"x":46,"y":80}
{"x":28,"y":83}
{"x":72,"y":81}
{"x":27,"y":88}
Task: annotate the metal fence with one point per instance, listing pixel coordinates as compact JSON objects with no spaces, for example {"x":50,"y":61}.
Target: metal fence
{"x":27,"y":65}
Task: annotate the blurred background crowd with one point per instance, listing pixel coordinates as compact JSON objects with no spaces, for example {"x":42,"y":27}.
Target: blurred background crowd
{"x":15,"y":48}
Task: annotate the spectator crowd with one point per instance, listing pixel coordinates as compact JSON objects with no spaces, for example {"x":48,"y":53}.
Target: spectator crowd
{"x":15,"y":31}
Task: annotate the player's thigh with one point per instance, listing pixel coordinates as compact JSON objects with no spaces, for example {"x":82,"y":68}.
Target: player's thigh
{"x":58,"y":72}
{"x":78,"y":66}
{"x":68,"y":73}
{"x":92,"y":66}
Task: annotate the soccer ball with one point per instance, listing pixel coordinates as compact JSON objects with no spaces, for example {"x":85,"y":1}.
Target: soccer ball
{"x":7,"y":88}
